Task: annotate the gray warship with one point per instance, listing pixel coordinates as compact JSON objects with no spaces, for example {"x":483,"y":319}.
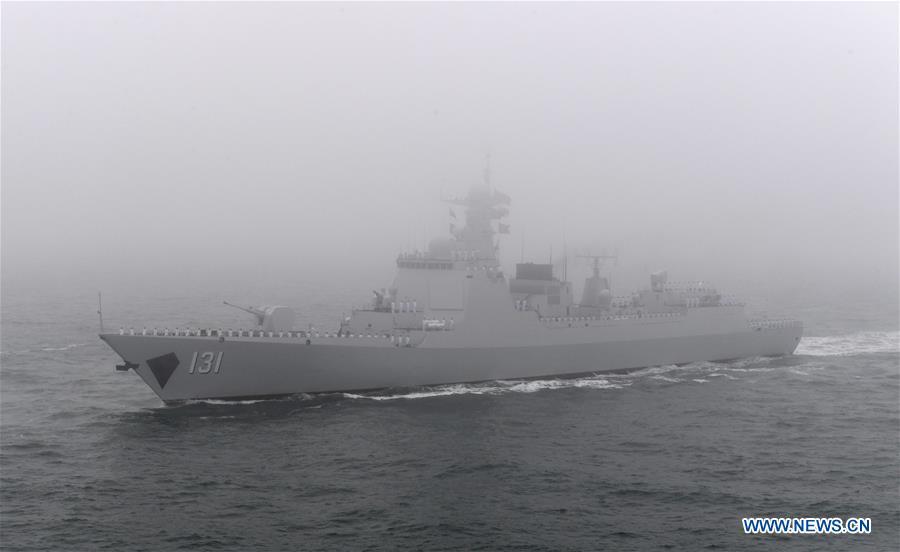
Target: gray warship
{"x":452,"y":315}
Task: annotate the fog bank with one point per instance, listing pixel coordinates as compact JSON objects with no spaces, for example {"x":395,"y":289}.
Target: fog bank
{"x":751,"y":144}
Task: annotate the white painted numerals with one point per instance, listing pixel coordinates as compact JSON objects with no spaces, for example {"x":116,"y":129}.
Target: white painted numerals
{"x":206,"y":362}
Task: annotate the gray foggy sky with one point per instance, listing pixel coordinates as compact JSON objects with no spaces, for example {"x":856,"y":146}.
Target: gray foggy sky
{"x":740,"y":142}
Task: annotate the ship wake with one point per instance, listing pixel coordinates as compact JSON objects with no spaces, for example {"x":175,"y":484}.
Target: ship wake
{"x":858,"y":343}
{"x":495,"y":388}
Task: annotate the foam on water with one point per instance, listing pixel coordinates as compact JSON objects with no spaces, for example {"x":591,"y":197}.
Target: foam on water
{"x":228,"y":402}
{"x":65,"y":347}
{"x":675,"y":373}
{"x":696,"y":372}
{"x":652,"y":371}
{"x":495,"y":388}
{"x":850,"y":344}
{"x":44,"y":348}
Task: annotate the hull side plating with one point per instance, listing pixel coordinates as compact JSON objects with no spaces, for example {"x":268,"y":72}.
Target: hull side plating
{"x":269,"y":367}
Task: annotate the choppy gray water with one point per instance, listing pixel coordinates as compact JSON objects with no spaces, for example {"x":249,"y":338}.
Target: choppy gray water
{"x":662,"y":458}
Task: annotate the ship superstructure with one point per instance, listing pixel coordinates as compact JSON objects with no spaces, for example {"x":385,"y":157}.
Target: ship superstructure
{"x":452,"y":315}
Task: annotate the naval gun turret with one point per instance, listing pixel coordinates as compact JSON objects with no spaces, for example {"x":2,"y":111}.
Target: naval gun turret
{"x":272,"y":318}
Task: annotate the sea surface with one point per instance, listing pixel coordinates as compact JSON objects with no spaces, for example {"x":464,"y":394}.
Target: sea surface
{"x":662,"y":458}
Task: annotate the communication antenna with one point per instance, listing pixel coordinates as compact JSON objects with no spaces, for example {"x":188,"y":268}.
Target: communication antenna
{"x":100,"y":310}
{"x":598,"y":258}
{"x":487,"y":170}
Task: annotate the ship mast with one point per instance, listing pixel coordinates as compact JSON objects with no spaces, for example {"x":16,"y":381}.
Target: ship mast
{"x":483,"y":205}
{"x":597,"y":263}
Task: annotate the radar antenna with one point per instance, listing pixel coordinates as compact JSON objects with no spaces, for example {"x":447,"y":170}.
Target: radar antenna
{"x":597,"y":261}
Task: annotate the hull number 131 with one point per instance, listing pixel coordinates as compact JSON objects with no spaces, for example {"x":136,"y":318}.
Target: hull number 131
{"x":206,"y":362}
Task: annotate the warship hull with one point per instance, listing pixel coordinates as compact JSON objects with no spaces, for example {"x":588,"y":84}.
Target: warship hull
{"x":182,"y":368}
{"x":452,"y":315}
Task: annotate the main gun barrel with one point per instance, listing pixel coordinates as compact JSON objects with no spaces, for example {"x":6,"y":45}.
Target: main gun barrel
{"x":258,"y":313}
{"x":273,"y":318}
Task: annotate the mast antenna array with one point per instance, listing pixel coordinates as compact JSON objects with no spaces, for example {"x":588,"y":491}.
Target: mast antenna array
{"x":597,"y":259}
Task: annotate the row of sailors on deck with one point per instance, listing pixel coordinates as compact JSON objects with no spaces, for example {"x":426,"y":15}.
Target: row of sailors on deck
{"x":187,"y":332}
{"x":212,"y":333}
{"x":460,"y":255}
{"x":404,"y":306}
{"x":775,"y":324}
{"x":456,"y":255}
{"x":622,"y":316}
{"x":437,"y":324}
